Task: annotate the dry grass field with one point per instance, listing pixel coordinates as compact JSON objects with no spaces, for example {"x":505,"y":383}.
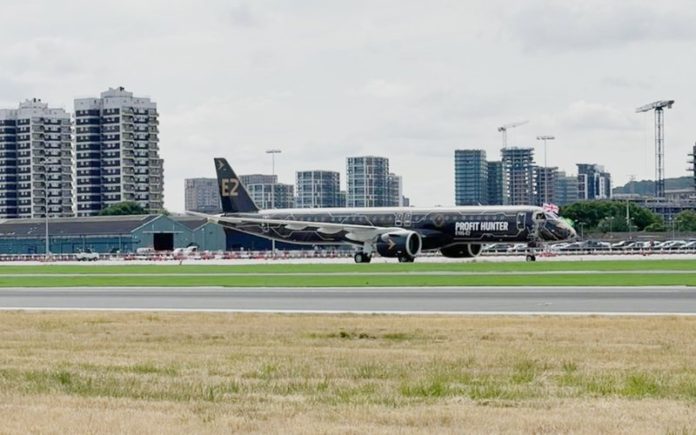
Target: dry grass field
{"x":221,"y":373}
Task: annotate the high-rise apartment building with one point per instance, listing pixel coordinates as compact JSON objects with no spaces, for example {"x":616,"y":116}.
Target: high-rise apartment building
{"x":470,"y":177}
{"x":496,"y":184}
{"x":202,"y":195}
{"x":117,"y":152}
{"x":35,"y":162}
{"x":267,"y":193}
{"x":593,"y":182}
{"x":367,"y":181}
{"x":518,"y":168}
{"x":545,"y":185}
{"x":566,"y":189}
{"x":318,"y":189}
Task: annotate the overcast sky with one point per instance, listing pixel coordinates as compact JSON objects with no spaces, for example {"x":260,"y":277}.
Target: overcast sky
{"x":408,"y":80}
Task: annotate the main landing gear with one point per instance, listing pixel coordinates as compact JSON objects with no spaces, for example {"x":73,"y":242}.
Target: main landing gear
{"x":405,"y":258}
{"x":361,"y":257}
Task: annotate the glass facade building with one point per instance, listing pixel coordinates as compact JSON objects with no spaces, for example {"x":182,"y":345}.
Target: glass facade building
{"x":593,"y":182}
{"x":202,"y":195}
{"x":496,"y":184}
{"x":518,"y":169}
{"x":545,"y":185}
{"x":367,"y":181}
{"x":318,"y":189}
{"x":470,"y":177}
{"x":566,"y":189}
{"x":267,"y":193}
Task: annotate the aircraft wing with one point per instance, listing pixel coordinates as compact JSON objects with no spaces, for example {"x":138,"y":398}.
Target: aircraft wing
{"x":358,"y":233}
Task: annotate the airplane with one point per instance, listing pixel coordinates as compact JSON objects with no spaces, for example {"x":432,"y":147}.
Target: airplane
{"x":394,"y":232}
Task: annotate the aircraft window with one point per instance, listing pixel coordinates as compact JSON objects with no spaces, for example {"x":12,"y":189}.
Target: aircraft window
{"x":540,"y":216}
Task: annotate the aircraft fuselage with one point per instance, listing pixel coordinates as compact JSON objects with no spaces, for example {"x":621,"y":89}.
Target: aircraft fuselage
{"x":438,"y":227}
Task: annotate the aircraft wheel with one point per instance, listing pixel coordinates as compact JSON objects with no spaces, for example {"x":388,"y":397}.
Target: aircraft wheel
{"x":406,"y":259}
{"x":531,"y":258}
{"x":361,"y":257}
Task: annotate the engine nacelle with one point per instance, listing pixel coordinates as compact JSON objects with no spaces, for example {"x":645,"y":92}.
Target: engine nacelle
{"x":401,"y":243}
{"x":464,"y":250}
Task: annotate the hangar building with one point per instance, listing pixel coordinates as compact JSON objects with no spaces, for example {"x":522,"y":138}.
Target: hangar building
{"x":109,"y":234}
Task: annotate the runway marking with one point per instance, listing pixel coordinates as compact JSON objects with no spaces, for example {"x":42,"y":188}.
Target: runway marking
{"x":360,"y":312}
{"x":362,"y":290}
{"x":405,"y":273}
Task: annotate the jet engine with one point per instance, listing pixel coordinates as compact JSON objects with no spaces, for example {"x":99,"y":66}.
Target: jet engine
{"x":464,"y":250}
{"x":399,"y":244}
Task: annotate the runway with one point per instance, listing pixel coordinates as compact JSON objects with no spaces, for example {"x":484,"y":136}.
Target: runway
{"x":408,"y":300}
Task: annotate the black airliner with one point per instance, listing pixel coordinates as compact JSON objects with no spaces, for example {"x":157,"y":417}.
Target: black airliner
{"x":401,"y":232}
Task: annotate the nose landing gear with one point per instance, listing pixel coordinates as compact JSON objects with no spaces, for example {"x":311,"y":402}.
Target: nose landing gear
{"x":531,"y":251}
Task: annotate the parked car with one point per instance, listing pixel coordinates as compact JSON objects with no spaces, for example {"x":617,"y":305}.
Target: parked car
{"x":620,"y":245}
{"x":596,"y":245}
{"x":517,"y":247}
{"x":673,"y":245}
{"x":497,"y":247}
{"x":573,"y":247}
{"x":87,"y":255}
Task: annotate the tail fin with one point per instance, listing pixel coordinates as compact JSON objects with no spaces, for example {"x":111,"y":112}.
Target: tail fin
{"x":233,"y":196}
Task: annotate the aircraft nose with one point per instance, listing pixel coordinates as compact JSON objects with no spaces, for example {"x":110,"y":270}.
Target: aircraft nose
{"x":567,"y":230}
{"x":573,"y":233}
{"x":556,"y":230}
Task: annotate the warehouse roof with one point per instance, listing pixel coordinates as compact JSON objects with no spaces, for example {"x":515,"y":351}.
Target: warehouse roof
{"x":191,"y":222}
{"x":96,"y":225}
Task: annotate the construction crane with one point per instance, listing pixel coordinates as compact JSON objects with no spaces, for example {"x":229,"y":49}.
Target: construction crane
{"x":658,"y":107}
{"x":504,"y":128}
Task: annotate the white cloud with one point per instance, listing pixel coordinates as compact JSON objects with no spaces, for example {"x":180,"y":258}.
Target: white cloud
{"x":598,"y":24}
{"x":582,"y":115}
{"x":402,"y":78}
{"x":385,"y":89}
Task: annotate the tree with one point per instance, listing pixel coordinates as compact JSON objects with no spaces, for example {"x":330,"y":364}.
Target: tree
{"x":656,"y":227}
{"x":686,"y":221}
{"x":597,"y":215}
{"x":613,"y":224}
{"x":123,"y":208}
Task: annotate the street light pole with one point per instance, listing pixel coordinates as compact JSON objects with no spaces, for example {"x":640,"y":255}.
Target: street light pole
{"x":546,"y":168}
{"x":273,"y":152}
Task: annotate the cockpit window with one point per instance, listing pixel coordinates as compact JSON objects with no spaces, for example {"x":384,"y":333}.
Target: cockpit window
{"x":540,"y":216}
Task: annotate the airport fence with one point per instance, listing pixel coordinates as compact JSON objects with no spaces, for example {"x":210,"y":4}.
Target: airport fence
{"x":307,"y":255}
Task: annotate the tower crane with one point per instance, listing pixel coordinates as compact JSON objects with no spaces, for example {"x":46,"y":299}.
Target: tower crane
{"x":504,"y":128}
{"x":658,"y":107}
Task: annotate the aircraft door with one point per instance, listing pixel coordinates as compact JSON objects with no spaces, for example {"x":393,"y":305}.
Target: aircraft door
{"x":407,"y":219}
{"x":521,"y":220}
{"x":398,"y":219}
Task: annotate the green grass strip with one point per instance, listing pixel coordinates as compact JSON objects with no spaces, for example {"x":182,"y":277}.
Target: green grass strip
{"x":464,"y":266}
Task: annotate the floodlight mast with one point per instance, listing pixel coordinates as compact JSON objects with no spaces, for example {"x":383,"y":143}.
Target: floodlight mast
{"x":658,"y":107}
{"x":504,"y":128}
